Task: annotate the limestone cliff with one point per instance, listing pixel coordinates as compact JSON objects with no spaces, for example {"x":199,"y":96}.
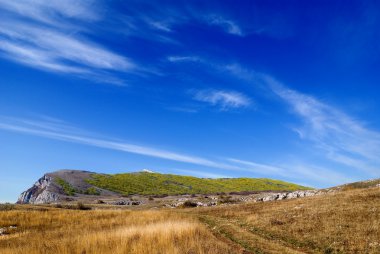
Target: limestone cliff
{"x":41,"y":192}
{"x":62,"y":185}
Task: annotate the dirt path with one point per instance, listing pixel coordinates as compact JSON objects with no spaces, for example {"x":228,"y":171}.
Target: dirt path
{"x":245,"y":238}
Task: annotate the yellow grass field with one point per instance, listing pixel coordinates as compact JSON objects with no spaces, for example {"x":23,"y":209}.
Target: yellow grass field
{"x":106,"y":231}
{"x":342,"y":222}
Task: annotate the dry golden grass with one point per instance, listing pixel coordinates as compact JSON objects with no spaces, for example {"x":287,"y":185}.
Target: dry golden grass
{"x":103,"y":231}
{"x":345,"y":222}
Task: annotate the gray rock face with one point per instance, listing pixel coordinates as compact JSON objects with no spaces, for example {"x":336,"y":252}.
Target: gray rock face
{"x":39,"y":193}
{"x":290,"y":195}
{"x":125,"y":202}
{"x":181,"y":201}
{"x":270,"y":198}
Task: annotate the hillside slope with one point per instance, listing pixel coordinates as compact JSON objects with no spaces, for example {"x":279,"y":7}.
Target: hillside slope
{"x":346,"y":221}
{"x":155,"y":184}
{"x":60,"y":185}
{"x":69,"y":185}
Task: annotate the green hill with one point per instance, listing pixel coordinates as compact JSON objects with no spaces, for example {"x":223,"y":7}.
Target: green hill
{"x":157,"y":184}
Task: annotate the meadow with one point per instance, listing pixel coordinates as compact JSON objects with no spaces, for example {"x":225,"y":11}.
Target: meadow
{"x":50,"y":230}
{"x":341,"y":222}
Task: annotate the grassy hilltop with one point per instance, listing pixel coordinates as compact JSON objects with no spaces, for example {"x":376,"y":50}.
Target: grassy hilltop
{"x":157,"y":184}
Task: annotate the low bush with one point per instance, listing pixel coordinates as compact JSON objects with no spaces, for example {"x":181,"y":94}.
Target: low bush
{"x":67,"y":188}
{"x":189,"y":203}
{"x":92,"y":191}
{"x":227,"y":200}
{"x":7,"y":207}
{"x":81,"y":206}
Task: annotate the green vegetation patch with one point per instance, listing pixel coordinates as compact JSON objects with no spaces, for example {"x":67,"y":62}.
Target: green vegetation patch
{"x":92,"y":191}
{"x":67,"y":188}
{"x":158,"y":184}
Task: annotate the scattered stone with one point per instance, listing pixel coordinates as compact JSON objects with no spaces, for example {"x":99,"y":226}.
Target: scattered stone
{"x":192,"y":202}
{"x":270,"y":198}
{"x":5,"y":230}
{"x":281,"y":196}
{"x":125,"y":202}
{"x":121,"y":202}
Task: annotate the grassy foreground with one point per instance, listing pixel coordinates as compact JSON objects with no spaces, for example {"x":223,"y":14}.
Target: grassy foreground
{"x":157,"y":184}
{"x":342,"y":222}
{"x":106,"y":231}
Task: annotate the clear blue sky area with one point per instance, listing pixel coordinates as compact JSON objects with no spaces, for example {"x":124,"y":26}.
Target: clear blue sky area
{"x":277,"y":89}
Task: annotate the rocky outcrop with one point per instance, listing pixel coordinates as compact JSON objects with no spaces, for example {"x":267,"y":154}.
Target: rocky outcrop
{"x":63,"y":185}
{"x":125,"y":202}
{"x":194,"y":203}
{"x":287,"y":195}
{"x":40,"y":193}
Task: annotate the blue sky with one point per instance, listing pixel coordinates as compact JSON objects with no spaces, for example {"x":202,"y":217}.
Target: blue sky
{"x":279,"y":89}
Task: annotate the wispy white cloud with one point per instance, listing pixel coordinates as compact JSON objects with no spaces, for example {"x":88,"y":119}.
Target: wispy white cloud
{"x":222,"y":98}
{"x":36,"y":58}
{"x":153,"y":27}
{"x":259,"y":168}
{"x":175,"y":59}
{"x":239,"y":71}
{"x":52,"y":11}
{"x":161,"y":21}
{"x":57,"y":129}
{"x":297,"y":171}
{"x":340,"y":137}
{"x":160,"y":26}
{"x":57,"y":47}
{"x":227,"y":25}
{"x":309,"y":173}
{"x":184,"y":109}
{"x":344,"y":139}
{"x":66,"y":132}
{"x":35,"y":34}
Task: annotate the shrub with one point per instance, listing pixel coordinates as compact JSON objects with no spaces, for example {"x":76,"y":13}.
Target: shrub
{"x":227,"y":200}
{"x":67,"y":188}
{"x":189,"y":203}
{"x":92,"y":191}
{"x":58,"y":206}
{"x":7,"y":207}
{"x":81,"y":206}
